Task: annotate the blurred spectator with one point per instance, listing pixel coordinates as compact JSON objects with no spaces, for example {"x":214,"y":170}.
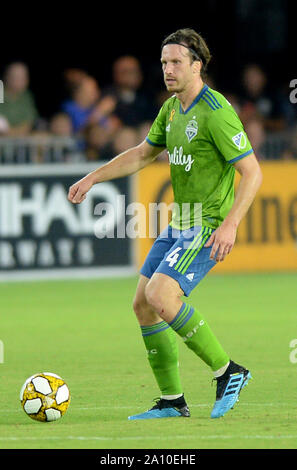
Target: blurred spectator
{"x":133,"y":106}
{"x":233,"y":100}
{"x":55,"y":143}
{"x":257,"y":101}
{"x":288,"y":108}
{"x":104,"y":146}
{"x":98,"y":143}
{"x":290,"y":153}
{"x":143,"y":130}
{"x":60,"y":125}
{"x":85,"y":106}
{"x":72,"y":78}
{"x":125,"y":138}
{"x":256,"y":134}
{"x":18,"y":110}
{"x":84,"y":96}
{"x":4,"y":125}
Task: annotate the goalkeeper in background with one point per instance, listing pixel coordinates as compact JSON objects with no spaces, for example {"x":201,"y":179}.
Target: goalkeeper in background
{"x":206,"y":143}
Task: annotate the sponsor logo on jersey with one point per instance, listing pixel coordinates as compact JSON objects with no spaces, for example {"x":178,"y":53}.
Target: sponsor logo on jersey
{"x":177,"y":157}
{"x":240,"y":140}
{"x":191,"y":129}
{"x":168,"y":128}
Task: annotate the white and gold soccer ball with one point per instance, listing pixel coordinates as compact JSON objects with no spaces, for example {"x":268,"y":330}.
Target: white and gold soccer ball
{"x":45,"y":397}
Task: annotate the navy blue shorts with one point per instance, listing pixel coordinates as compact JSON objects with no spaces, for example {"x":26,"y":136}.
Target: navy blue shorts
{"x":180,"y":254}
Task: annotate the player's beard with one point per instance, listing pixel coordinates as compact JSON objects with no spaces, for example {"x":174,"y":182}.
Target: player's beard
{"x":174,"y":87}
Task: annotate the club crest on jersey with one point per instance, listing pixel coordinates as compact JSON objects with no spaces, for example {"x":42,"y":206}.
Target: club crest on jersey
{"x":239,"y":140}
{"x":191,"y":129}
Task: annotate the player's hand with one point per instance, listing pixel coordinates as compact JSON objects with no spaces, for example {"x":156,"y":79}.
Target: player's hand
{"x":77,"y":192}
{"x":222,"y":241}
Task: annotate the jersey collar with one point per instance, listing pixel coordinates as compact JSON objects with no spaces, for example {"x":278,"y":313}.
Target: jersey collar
{"x":201,"y":93}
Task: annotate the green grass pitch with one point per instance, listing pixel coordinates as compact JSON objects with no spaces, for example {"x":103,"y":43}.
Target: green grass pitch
{"x":86,"y":332}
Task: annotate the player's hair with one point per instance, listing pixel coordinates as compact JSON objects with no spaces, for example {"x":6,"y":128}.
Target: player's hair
{"x":194,"y":42}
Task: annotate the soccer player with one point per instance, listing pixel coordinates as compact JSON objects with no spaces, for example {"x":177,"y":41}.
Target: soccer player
{"x":206,"y":143}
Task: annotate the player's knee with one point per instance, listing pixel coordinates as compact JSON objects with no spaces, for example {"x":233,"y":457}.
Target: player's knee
{"x":154,"y":297}
{"x":138,"y":305}
{"x":143,"y":311}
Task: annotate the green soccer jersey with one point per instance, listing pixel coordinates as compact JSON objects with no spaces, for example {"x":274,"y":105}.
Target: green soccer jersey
{"x":202,"y":143}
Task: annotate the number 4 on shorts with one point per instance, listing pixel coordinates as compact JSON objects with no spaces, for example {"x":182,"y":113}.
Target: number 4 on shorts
{"x":173,"y":256}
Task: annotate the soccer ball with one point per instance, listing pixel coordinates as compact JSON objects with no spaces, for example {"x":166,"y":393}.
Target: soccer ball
{"x":45,"y":397}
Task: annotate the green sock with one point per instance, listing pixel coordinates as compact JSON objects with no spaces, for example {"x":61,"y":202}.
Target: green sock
{"x":197,"y":335}
{"x":161,"y":344}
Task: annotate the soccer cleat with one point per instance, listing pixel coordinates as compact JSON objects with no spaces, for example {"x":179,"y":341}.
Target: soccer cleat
{"x":229,"y":386}
{"x":165,"y":409}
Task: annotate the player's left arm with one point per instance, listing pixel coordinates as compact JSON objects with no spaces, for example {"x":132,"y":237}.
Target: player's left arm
{"x":223,"y":238}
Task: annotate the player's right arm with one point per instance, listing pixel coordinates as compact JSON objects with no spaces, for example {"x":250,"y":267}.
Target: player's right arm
{"x":124,"y":164}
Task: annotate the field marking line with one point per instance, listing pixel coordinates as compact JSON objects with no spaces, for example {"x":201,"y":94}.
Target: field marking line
{"x":140,"y":438}
{"x":199,"y":405}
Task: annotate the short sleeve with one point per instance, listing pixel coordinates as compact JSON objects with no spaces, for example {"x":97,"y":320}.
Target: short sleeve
{"x":157,"y":133}
{"x":228,"y":135}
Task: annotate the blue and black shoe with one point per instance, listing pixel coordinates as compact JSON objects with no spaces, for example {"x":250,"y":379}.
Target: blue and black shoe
{"x":166,"y":409}
{"x":229,"y":386}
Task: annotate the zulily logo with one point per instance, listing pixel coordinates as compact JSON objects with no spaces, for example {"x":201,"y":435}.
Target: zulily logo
{"x":177,"y":157}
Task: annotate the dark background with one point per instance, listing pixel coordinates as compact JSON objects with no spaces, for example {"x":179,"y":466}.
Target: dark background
{"x":52,"y":37}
